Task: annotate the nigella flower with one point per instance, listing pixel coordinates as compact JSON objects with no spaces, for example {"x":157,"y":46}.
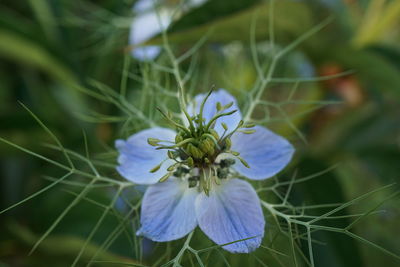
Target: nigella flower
{"x":150,"y":21}
{"x":193,"y":173}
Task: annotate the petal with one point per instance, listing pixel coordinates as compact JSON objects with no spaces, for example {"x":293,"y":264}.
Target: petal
{"x":232,"y":212}
{"x":137,"y":157}
{"x":143,"y":5}
{"x":146,"y":52}
{"x":210,"y":109}
{"x":168,"y":211}
{"x":144,"y":27}
{"x":265,"y":152}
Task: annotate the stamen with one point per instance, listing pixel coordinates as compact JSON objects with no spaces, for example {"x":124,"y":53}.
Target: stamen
{"x":221,"y":108}
{"x":172,"y":167}
{"x":218,"y":106}
{"x":180,"y":144}
{"x":153,"y":141}
{"x":249,"y":125}
{"x":170,"y":120}
{"x":247,"y":131}
{"x":156,"y":168}
{"x":202,"y":105}
{"x":227,"y":106}
{"x":235,"y":153}
{"x":243,"y":162}
{"x":217,"y":117}
{"x":165,"y":177}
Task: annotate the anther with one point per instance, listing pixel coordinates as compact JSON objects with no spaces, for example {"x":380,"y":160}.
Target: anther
{"x":153,"y":141}
{"x":165,"y":177}
{"x":228,"y":106}
{"x":234,"y":153}
{"x":247,"y":131}
{"x":243,"y":162}
{"x":219,"y":106}
{"x":156,"y":168}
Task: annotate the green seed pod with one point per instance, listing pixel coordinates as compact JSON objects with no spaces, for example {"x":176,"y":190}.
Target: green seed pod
{"x":207,"y":146}
{"x":190,"y":161}
{"x":228,"y":143}
{"x":211,"y":151}
{"x":178,"y":138}
{"x":214,"y":133}
{"x":194,"y":151}
{"x":211,"y":145}
{"x":210,"y":142}
{"x":204,"y":146}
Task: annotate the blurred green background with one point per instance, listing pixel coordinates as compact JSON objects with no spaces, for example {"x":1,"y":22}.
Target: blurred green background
{"x":51,"y":50}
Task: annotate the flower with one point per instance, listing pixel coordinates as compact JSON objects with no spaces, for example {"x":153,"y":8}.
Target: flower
{"x":199,"y":166}
{"x":150,"y":21}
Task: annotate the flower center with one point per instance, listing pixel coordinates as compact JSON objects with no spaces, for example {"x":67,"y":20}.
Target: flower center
{"x":197,"y":147}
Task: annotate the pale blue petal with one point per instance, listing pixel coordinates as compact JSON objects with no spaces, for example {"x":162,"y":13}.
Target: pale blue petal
{"x":143,"y":6}
{"x":265,"y":152}
{"x":146,"y":52}
{"x":144,"y":27}
{"x":210,"y":109}
{"x":168,"y":211}
{"x":232,"y":212}
{"x":137,"y":157}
